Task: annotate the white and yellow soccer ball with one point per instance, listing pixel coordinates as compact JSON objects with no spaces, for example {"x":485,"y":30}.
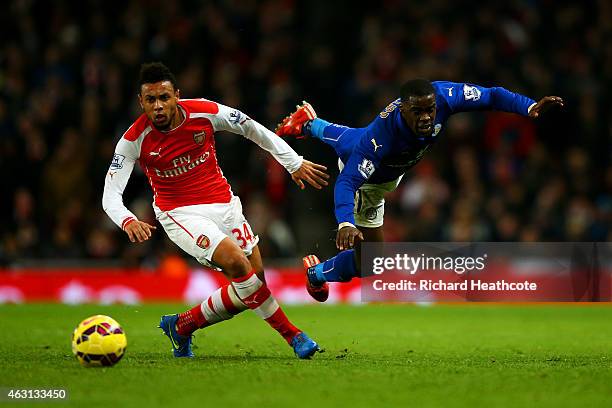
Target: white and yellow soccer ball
{"x":98,"y":341}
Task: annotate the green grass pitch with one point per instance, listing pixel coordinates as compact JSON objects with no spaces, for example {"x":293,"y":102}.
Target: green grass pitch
{"x":375,"y":355}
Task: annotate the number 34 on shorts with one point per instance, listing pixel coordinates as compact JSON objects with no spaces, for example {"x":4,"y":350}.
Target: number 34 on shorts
{"x":243,"y":235}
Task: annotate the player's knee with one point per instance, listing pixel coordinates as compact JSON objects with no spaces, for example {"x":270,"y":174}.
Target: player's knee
{"x":236,"y":265}
{"x":231,"y":259}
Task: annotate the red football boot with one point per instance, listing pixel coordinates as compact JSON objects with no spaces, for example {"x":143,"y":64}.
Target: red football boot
{"x":292,"y":124}
{"x":320,"y":293}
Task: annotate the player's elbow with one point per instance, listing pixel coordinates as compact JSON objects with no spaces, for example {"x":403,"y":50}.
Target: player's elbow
{"x":107,"y":202}
{"x":347,"y":184}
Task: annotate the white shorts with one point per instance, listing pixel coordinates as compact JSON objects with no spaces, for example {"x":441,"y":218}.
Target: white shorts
{"x":369,"y":207}
{"x":370,"y":203}
{"x":199,"y":229}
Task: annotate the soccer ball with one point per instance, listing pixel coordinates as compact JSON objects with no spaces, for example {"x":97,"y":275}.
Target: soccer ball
{"x":98,"y":341}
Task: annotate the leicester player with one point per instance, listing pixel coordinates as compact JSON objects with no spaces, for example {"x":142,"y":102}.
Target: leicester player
{"x":373,"y":159}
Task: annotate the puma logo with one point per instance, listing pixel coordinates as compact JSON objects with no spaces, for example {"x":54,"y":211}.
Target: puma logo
{"x":252,"y":301}
{"x":157,"y":153}
{"x":376,"y":146}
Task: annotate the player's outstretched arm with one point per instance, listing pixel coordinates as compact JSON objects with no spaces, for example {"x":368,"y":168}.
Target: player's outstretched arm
{"x":545,"y":104}
{"x":463,"y":97}
{"x":139,"y":231}
{"x":312,"y":173}
{"x":232,"y":120}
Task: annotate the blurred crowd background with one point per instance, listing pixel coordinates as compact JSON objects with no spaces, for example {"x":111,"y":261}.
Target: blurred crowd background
{"x":68,"y":73}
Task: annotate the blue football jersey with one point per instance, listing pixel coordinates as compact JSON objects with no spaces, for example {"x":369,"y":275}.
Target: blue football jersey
{"x":387,"y":148}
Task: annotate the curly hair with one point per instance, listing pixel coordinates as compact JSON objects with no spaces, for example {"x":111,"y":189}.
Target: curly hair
{"x":152,"y":72}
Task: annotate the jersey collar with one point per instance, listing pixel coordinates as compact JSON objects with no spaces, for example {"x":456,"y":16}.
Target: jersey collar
{"x":184,"y":112}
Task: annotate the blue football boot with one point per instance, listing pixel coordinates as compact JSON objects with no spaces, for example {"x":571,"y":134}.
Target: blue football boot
{"x":303,"y":346}
{"x":180,"y":344}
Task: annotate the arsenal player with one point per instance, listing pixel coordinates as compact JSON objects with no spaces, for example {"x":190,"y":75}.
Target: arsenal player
{"x":173,"y":141}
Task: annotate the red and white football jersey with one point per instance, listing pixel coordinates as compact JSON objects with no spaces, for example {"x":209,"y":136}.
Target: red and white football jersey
{"x":181,"y":164}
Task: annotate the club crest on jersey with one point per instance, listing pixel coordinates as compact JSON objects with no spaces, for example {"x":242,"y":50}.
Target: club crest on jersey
{"x":203,"y":241}
{"x":199,"y":137}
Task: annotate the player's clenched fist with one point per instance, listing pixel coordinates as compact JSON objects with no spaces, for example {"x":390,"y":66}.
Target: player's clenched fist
{"x":139,"y":230}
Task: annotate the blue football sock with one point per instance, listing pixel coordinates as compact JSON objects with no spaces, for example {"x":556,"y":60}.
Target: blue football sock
{"x":315,"y":128}
{"x":341,"y":268}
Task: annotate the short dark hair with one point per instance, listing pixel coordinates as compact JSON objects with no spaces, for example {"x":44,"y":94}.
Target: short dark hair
{"x":152,"y":72}
{"x":416,"y":87}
